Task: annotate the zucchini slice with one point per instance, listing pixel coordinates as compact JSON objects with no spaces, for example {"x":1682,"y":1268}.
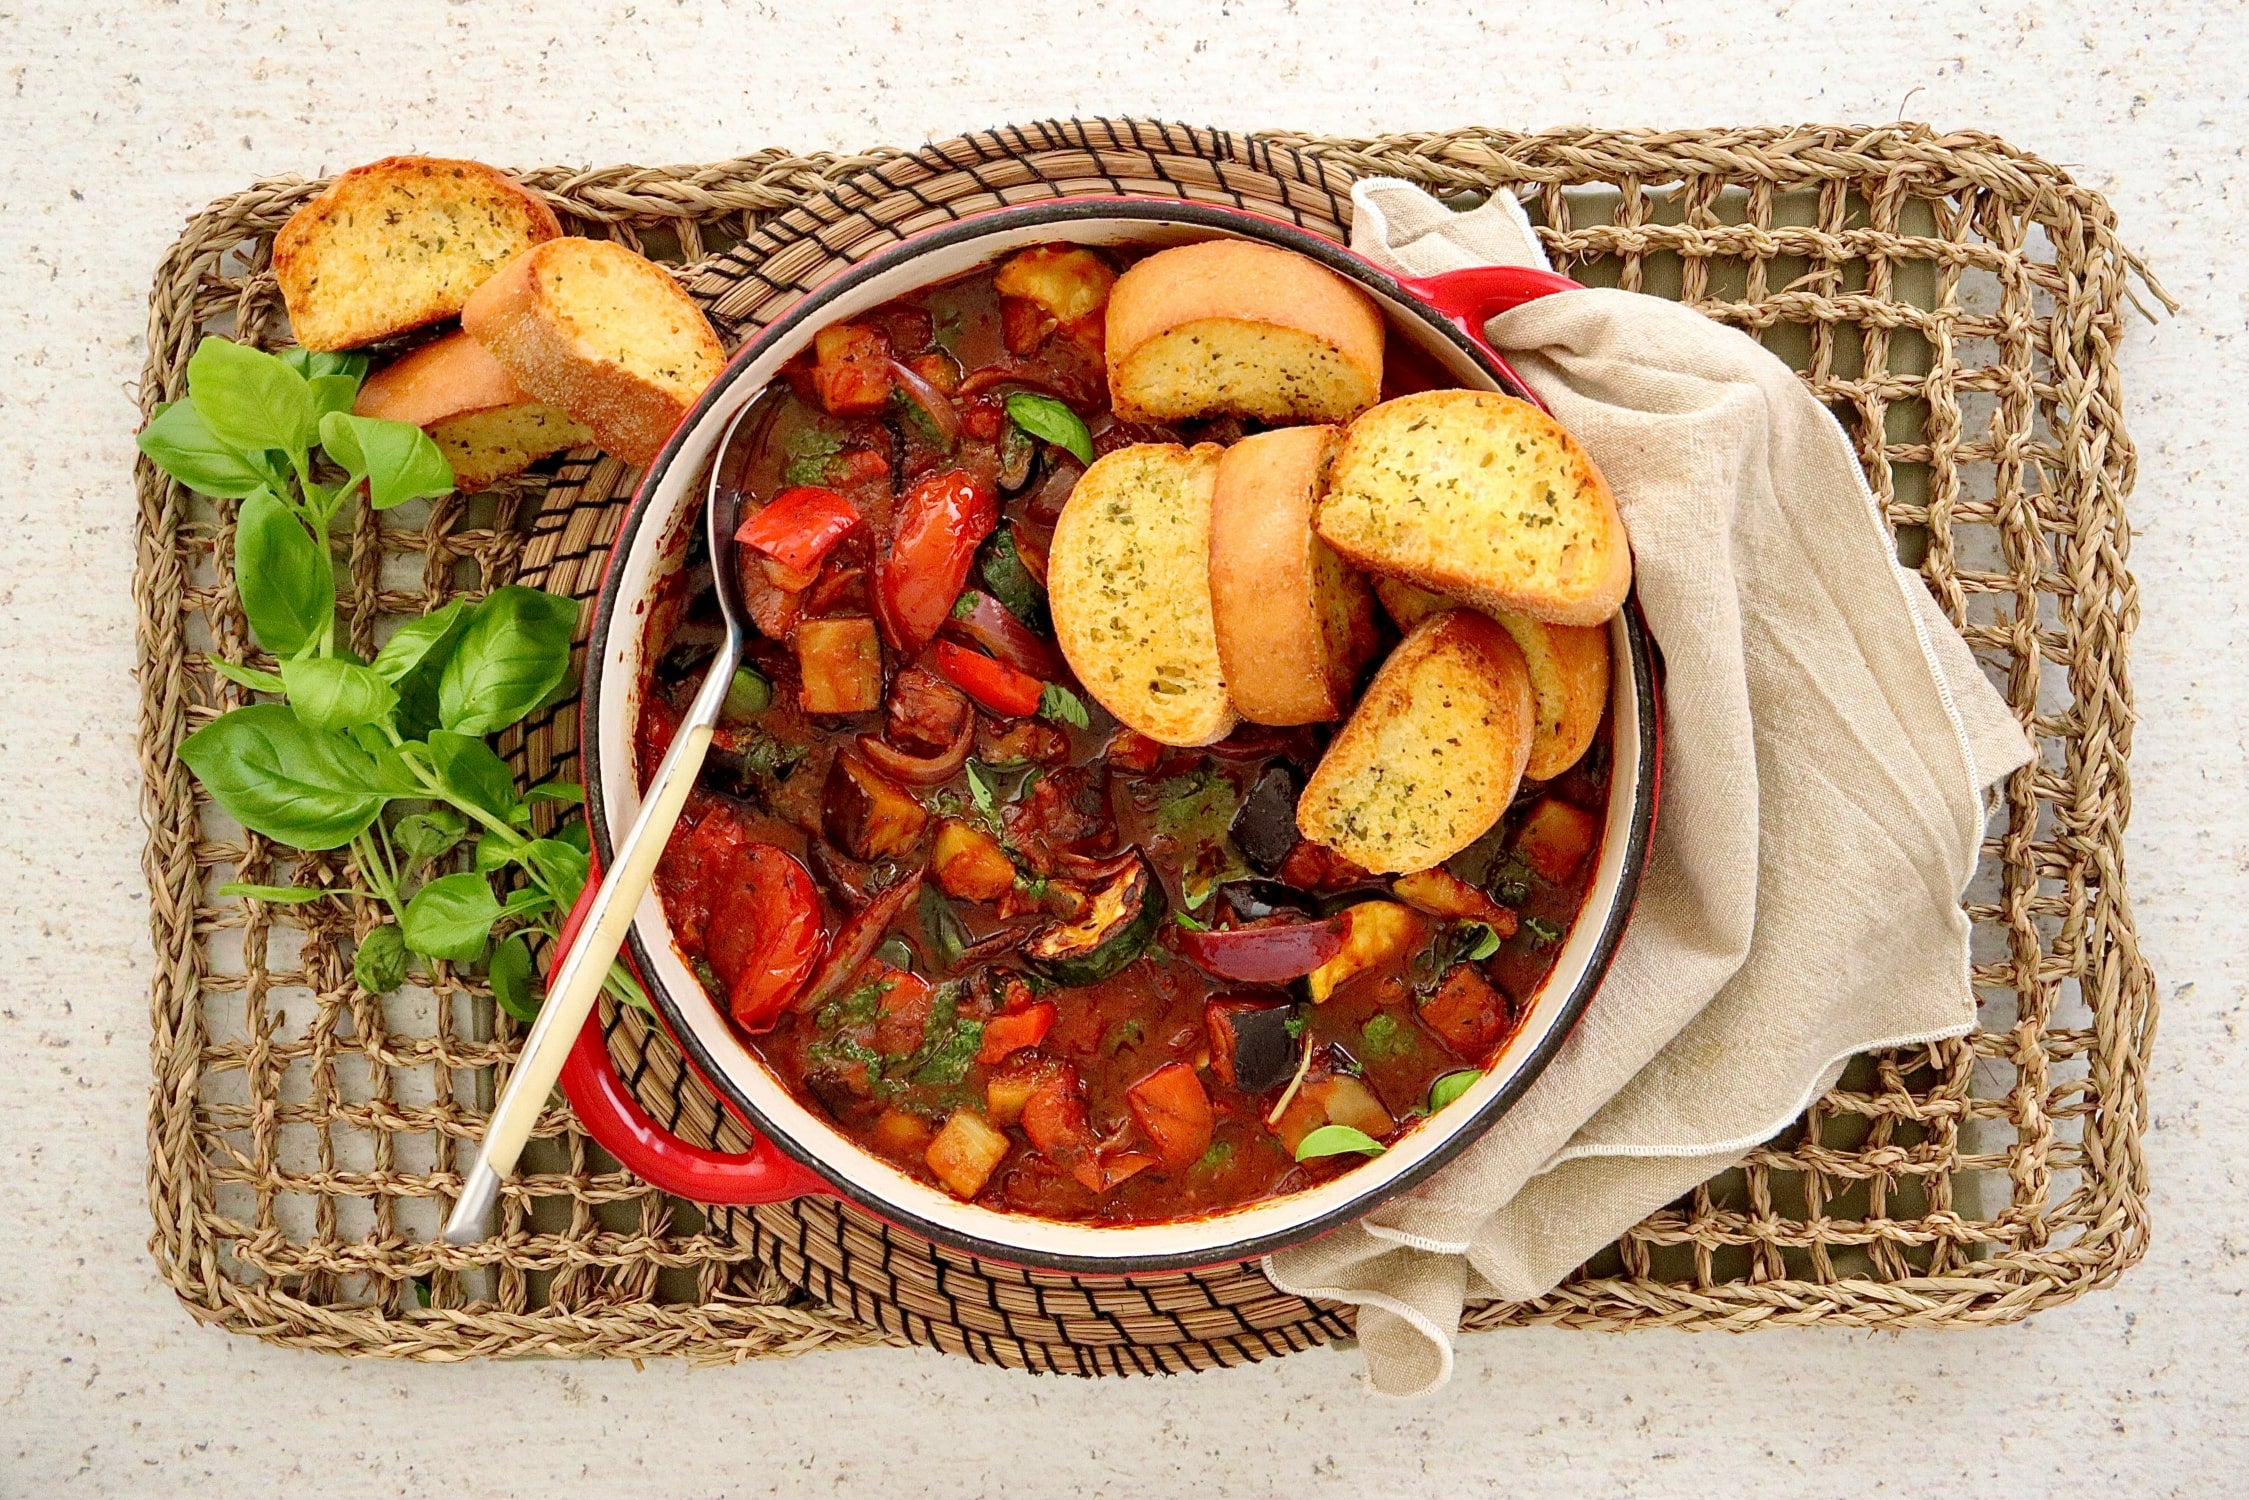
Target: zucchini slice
{"x":1119,"y":918}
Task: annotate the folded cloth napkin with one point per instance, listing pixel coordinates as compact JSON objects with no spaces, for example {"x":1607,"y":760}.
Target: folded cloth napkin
{"x":1828,"y":744}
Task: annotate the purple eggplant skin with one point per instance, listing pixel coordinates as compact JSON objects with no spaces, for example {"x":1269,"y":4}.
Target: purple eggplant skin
{"x":1250,"y":1042}
{"x":1265,"y":827}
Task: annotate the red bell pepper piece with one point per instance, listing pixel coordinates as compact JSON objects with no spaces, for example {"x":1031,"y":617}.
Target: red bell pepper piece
{"x":800,"y":527}
{"x":941,"y":522}
{"x":1173,"y":1107}
{"x":994,"y":684}
{"x":1265,"y":955}
{"x":763,"y":937}
{"x":984,"y":621}
{"x":1016,"y":1030}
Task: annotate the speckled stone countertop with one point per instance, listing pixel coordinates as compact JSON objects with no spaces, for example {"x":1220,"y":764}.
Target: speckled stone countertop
{"x":118,"y":119}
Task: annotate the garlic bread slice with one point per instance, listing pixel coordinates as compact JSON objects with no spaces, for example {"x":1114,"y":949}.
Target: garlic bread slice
{"x":1128,"y":580}
{"x":1234,"y":326}
{"x":399,"y":244}
{"x":1295,"y":622}
{"x":1433,"y":753}
{"x":1482,"y":498}
{"x":485,"y":424}
{"x":1569,"y":667}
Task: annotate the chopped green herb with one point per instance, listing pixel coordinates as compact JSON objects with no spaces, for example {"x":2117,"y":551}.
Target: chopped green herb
{"x":1010,"y":580}
{"x":1191,"y":923}
{"x":1544,"y":934}
{"x":1215,"y":1159}
{"x":1296,"y":1023}
{"x":1477,"y":941}
{"x":981,"y":788}
{"x":1451,"y":1087}
{"x":895,"y":952}
{"x":949,"y":1042}
{"x":1058,"y":703}
{"x":1386,"y":1040}
{"x":942,"y":926}
{"x":811,"y":452}
{"x":1047,"y":418}
{"x":924,"y":425}
{"x":1334,"y":1140}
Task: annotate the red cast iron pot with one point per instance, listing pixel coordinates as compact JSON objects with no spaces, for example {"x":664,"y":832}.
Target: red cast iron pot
{"x":797,"y":1151}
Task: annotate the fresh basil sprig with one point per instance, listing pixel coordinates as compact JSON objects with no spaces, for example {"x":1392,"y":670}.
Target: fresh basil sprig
{"x":388,"y":757}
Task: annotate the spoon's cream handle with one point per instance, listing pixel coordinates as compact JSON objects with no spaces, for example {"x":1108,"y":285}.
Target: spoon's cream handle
{"x":572,"y":990}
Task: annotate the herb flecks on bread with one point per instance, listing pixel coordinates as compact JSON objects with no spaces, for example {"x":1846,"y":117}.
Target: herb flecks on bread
{"x":603,"y":334}
{"x":1433,"y":753}
{"x":1128,"y":579}
{"x":1229,"y":326}
{"x":1482,"y":498}
{"x":399,"y":244}
{"x":1569,"y":667}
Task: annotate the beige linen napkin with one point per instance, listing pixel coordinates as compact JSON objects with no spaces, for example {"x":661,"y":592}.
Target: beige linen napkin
{"x":1828,"y":743}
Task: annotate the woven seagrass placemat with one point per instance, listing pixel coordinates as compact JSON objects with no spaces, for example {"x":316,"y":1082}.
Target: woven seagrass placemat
{"x":1955,"y":302}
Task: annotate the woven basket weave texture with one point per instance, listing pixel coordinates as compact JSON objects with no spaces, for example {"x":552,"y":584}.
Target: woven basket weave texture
{"x":1955,"y":302}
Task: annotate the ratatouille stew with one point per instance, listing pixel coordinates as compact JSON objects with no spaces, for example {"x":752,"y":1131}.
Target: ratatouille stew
{"x":1018,"y":951}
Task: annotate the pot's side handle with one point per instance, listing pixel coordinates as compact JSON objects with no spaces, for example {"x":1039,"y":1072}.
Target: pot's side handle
{"x":608,"y":1111}
{"x":1471,"y":297}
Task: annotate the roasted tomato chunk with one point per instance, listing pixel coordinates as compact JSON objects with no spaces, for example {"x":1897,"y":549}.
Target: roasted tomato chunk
{"x":1468,"y":1013}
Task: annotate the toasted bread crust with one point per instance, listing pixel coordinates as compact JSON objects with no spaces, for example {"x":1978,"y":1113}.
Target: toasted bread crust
{"x":1482,"y":498}
{"x":1294,"y":624}
{"x":446,"y":377}
{"x":1433,"y":753}
{"x":1128,"y":580}
{"x":1569,"y":667}
{"x":487,"y":426}
{"x":399,"y":244}
{"x":608,"y":337}
{"x":1296,"y":341}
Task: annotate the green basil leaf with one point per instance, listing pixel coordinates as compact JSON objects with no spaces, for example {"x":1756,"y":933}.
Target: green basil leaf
{"x":1058,"y":703}
{"x":1045,"y":417}
{"x":493,"y":853}
{"x":1477,"y":941}
{"x":1010,"y":581}
{"x":177,"y":441}
{"x":393,"y":773}
{"x":397,"y":459}
{"x":527,"y":901}
{"x":304,"y":789}
{"x":1334,"y":1140}
{"x":468,"y":769}
{"x":287,"y":583}
{"x":1451,"y":1087}
{"x":380,"y":964}
{"x":249,"y":398}
{"x":558,"y":867}
{"x":280,"y":895}
{"x":556,"y":791}
{"x":511,"y":980}
{"x":451,"y":917}
{"x":425,"y":835}
{"x":513,"y":653}
{"x":329,"y":693}
{"x":314,"y":364}
{"x":942,"y":926}
{"x":331,"y":393}
{"x":574,"y":834}
{"x":420,"y":642}
{"x":249,"y":677}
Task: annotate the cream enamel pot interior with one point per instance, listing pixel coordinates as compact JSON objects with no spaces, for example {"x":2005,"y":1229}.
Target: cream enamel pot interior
{"x":799,"y":1152}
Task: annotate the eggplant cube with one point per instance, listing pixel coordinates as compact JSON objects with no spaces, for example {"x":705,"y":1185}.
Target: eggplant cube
{"x":1251,"y":1046}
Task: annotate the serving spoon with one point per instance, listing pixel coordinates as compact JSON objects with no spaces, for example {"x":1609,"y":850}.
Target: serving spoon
{"x":601,"y":930}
